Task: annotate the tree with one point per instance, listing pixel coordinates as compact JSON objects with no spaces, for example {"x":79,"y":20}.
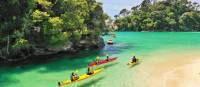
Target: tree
{"x":13,"y":25}
{"x":169,"y":15}
{"x":145,"y":5}
{"x":190,"y":21}
{"x":124,"y":12}
{"x":47,"y":25}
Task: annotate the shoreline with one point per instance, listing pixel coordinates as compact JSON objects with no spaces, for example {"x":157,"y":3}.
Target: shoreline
{"x":43,"y":55}
{"x":178,"y":69}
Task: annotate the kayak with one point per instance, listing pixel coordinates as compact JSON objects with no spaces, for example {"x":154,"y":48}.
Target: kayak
{"x":102,"y":61}
{"x":133,"y":63}
{"x":110,"y":42}
{"x":82,"y":77}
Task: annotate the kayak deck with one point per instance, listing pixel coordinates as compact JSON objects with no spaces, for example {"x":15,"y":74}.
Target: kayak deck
{"x":102,"y":61}
{"x":82,"y":77}
{"x":133,"y":63}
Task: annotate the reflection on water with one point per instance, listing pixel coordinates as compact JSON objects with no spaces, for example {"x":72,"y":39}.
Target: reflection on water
{"x":116,"y":48}
{"x":92,"y":83}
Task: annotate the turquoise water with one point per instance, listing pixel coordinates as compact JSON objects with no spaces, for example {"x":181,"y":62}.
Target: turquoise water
{"x":115,"y":74}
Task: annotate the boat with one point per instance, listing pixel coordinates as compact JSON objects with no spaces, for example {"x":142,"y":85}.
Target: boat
{"x":81,"y":77}
{"x":110,"y":42}
{"x":102,"y":61}
{"x":133,"y":63}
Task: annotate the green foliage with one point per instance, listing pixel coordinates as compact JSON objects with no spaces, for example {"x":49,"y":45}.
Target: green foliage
{"x":74,"y":16}
{"x":59,"y":39}
{"x":179,"y":15}
{"x":190,"y":20}
{"x":85,"y":31}
{"x":56,"y":21}
{"x":53,"y":32}
{"x":45,"y":3}
{"x":38,"y":16}
{"x":48,"y":23}
{"x":21,"y":43}
{"x":76,"y":36}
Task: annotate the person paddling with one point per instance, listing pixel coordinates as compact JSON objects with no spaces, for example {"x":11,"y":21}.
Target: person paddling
{"x":97,"y":59}
{"x":134,"y":59}
{"x":107,"y":57}
{"x":74,"y":76}
{"x":90,"y":71}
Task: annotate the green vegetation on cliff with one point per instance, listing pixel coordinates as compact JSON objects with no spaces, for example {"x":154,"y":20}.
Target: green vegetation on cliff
{"x":29,"y":25}
{"x":167,"y":15}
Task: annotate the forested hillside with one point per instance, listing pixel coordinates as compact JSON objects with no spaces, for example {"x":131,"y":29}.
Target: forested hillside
{"x":43,"y":27}
{"x":166,"y":15}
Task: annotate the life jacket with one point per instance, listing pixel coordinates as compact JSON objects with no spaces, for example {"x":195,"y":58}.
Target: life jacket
{"x":74,"y":77}
{"x":134,"y":59}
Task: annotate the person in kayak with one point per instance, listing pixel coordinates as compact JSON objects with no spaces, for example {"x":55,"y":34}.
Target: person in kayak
{"x":97,"y":59}
{"x":134,"y":59}
{"x":90,"y":71}
{"x":74,"y":76}
{"x":107,"y":57}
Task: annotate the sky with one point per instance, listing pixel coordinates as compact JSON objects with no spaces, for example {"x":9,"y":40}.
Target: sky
{"x":113,"y":7}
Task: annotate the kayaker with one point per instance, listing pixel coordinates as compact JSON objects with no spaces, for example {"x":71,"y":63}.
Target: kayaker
{"x":107,"y":57}
{"x":97,"y":59}
{"x":134,"y":59}
{"x":90,"y":71}
{"x":74,"y":76}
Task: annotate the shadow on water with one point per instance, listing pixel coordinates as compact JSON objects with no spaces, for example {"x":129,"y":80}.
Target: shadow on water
{"x":131,"y":66}
{"x":62,"y":64}
{"x":83,"y":59}
{"x":116,"y":48}
{"x":78,"y":61}
{"x":93,"y":82}
{"x":59,"y":64}
{"x":110,"y":65}
{"x":5,"y":81}
{"x":70,"y":63}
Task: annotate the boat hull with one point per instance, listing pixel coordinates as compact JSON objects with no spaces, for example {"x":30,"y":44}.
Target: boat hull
{"x":102,"y":62}
{"x":82,"y":77}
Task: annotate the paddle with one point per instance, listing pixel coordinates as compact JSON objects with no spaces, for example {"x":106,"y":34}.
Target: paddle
{"x":76,"y":84}
{"x":76,"y":71}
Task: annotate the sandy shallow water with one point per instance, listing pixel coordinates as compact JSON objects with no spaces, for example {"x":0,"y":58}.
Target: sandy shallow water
{"x":178,"y":69}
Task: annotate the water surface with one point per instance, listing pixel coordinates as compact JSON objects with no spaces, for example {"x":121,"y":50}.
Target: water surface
{"x":116,"y":74}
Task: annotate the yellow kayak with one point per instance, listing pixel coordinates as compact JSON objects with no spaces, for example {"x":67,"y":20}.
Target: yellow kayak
{"x":133,"y":63}
{"x":82,"y":77}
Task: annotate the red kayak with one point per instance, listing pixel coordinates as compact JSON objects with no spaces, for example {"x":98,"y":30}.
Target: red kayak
{"x":102,"y":61}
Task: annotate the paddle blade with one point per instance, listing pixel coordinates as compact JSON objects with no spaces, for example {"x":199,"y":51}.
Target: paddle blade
{"x":76,"y":71}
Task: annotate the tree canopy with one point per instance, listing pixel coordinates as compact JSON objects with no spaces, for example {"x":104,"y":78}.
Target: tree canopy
{"x":168,"y":15}
{"x":29,"y":24}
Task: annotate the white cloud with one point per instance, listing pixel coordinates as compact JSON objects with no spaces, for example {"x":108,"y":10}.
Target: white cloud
{"x":198,"y":1}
